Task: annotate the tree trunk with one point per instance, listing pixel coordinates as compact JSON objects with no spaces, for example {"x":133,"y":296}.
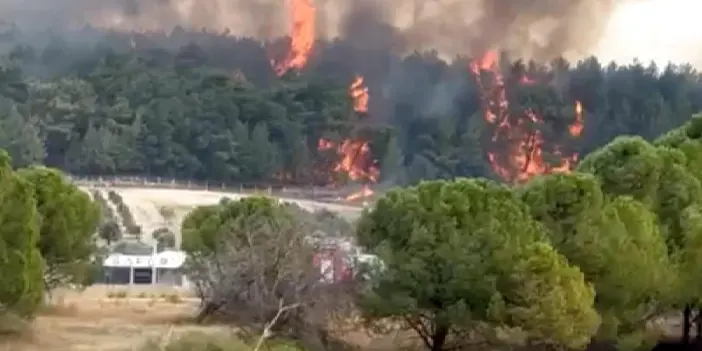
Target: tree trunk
{"x":439,"y":338}
{"x":207,"y":310}
{"x":687,"y":314}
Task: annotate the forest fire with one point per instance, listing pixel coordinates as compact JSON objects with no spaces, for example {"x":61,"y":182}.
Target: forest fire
{"x":302,"y":36}
{"x":354,"y":155}
{"x":517,"y":145}
{"x":359,"y":94}
{"x":355,"y":158}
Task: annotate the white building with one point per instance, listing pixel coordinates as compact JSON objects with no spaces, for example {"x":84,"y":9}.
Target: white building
{"x":157,"y":268}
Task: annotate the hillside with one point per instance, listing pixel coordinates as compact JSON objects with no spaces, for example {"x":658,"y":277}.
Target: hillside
{"x":155,"y":208}
{"x":207,"y":107}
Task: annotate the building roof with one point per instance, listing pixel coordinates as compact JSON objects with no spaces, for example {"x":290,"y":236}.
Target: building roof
{"x":165,"y":259}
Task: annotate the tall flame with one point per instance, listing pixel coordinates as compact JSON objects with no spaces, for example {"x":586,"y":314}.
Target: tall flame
{"x":354,"y":155}
{"x":302,"y":35}
{"x":517,"y":146}
{"x":354,"y":159}
{"x":359,"y":94}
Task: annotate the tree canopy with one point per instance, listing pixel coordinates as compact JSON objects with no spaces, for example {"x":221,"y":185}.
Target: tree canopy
{"x":617,"y":244}
{"x":69,"y":219}
{"x":47,"y":233}
{"x":21,"y":265}
{"x":210,"y":107}
{"x":464,"y":253}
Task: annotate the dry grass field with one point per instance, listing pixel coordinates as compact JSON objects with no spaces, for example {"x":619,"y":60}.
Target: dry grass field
{"x":110,"y":319}
{"x":126,"y":319}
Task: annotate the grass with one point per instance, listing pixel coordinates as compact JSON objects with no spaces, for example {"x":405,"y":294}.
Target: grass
{"x":197,"y":341}
{"x":116,"y":319}
{"x":121,"y":294}
{"x":172,"y":298}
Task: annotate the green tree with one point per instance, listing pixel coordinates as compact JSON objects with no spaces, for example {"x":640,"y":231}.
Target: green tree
{"x":664,"y":178}
{"x":21,"y":138}
{"x":681,"y":209}
{"x":69,"y":222}
{"x":95,"y":154}
{"x":593,"y":233}
{"x":627,"y":166}
{"x":462,"y":255}
{"x":165,"y":239}
{"x":110,"y":232}
{"x":21,"y":265}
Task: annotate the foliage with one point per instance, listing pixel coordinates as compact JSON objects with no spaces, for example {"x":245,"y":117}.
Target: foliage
{"x":106,"y":107}
{"x":593,"y":232}
{"x":106,"y":212}
{"x":466,"y":254}
{"x":128,"y":222}
{"x":69,"y":219}
{"x":165,"y":239}
{"x":201,"y":341}
{"x":332,"y":224}
{"x":21,"y":265}
{"x":629,"y":220}
{"x":110,"y":232}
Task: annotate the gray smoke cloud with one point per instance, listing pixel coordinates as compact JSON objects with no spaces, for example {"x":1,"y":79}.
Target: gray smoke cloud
{"x":529,"y":28}
{"x":540,"y":29}
{"x":252,"y":18}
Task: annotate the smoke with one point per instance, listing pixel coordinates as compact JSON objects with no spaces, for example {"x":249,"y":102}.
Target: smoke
{"x":251,"y":18}
{"x":539,"y":29}
{"x":528,"y":28}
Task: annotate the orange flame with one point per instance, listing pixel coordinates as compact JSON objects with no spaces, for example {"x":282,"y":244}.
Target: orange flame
{"x":359,"y":94}
{"x":302,"y":35}
{"x":517,"y":150}
{"x":365,"y":192}
{"x":577,"y":127}
{"x":354,"y":155}
{"x":354,"y":159}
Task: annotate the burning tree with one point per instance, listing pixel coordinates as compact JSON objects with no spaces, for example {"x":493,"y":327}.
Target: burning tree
{"x":354,"y":157}
{"x":518,"y":150}
{"x":253,"y":266}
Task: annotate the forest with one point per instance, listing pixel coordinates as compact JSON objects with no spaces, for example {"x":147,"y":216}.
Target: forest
{"x":601,"y":158}
{"x":211,"y":106}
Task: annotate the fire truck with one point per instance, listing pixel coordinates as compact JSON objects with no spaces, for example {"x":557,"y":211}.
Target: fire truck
{"x":338,"y":259}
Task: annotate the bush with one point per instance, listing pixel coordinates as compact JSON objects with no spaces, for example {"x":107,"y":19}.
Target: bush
{"x":167,"y":213}
{"x":165,"y":238}
{"x":107,"y":214}
{"x":110,"y":231}
{"x":128,"y":220}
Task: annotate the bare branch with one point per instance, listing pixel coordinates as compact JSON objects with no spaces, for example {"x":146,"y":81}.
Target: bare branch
{"x":267,"y":331}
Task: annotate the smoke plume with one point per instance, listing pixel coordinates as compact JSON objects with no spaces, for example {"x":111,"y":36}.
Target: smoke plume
{"x":528,"y":28}
{"x":537,"y":29}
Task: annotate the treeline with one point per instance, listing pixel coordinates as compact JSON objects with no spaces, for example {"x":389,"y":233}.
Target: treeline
{"x":603,"y":258}
{"x":205,"y":106}
{"x":47,"y":240}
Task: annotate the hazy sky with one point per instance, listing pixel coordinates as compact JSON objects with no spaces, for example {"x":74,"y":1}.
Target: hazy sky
{"x":658,"y":30}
